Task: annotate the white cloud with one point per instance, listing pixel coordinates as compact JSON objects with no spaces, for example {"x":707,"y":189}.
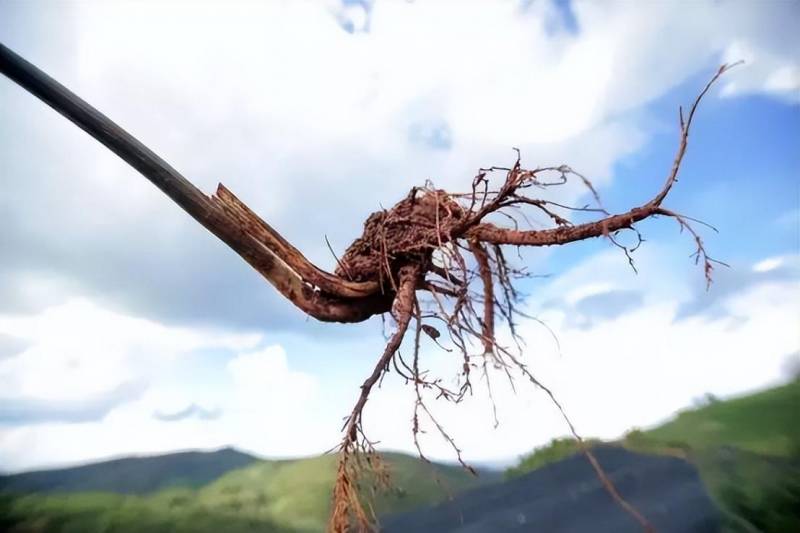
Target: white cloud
{"x":635,"y":369}
{"x":294,"y":113}
{"x":262,"y":381}
{"x":80,"y":363}
{"x":764,"y":72}
{"x":586,"y":290}
{"x":62,"y":401}
{"x":493,"y":72}
{"x":77,"y":349}
{"x":768,"y":264}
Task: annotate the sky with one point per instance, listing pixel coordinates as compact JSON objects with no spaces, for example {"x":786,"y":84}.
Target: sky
{"x":127,"y":328}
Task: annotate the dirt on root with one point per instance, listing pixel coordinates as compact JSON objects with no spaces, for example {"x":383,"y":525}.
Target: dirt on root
{"x":405,"y":234}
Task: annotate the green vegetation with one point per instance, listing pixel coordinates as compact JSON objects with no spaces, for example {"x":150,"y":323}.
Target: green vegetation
{"x":95,"y":512}
{"x":763,"y":423}
{"x":267,"y":496}
{"x":746,"y":449}
{"x":552,"y":452}
{"x":297,"y":493}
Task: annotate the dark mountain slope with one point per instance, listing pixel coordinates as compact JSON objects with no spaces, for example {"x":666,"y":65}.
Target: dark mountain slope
{"x":132,"y":475}
{"x":567,"y":497}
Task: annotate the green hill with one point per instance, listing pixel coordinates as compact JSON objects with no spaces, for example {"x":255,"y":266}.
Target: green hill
{"x":265,"y":496}
{"x":763,"y":423}
{"x":297,"y":493}
{"x":747,"y":450}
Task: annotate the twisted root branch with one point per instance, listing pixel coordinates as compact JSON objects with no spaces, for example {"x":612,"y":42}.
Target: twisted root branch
{"x":428,"y":232}
{"x":432,"y":232}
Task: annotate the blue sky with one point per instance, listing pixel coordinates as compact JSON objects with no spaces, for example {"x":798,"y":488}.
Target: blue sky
{"x":126,"y":328}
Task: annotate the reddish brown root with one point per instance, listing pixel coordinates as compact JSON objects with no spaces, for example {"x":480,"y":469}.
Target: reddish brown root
{"x":450,"y":236}
{"x":442,"y":246}
{"x":355,"y":451}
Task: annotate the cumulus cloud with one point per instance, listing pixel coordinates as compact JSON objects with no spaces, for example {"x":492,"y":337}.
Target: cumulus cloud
{"x":382,"y":97}
{"x":262,"y":380}
{"x":728,"y":281}
{"x":633,"y":369}
{"x":317,"y":115}
{"x":26,"y":410}
{"x":80,"y":360}
{"x":101,"y":384}
{"x":596,"y":307}
{"x":270,"y":407}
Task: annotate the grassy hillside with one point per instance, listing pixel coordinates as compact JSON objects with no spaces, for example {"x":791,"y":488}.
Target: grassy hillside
{"x":297,"y":492}
{"x":747,"y":450}
{"x":105,"y":512}
{"x":555,"y":450}
{"x":265,"y":496}
{"x":763,"y":423}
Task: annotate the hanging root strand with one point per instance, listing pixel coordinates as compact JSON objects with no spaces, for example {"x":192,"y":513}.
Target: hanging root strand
{"x":439,"y":258}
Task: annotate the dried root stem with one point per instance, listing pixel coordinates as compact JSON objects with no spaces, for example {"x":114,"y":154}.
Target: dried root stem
{"x":440,"y":260}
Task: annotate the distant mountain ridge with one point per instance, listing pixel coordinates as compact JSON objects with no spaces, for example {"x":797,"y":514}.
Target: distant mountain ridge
{"x":747,"y":451}
{"x":264,"y":496}
{"x":132,"y":475}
